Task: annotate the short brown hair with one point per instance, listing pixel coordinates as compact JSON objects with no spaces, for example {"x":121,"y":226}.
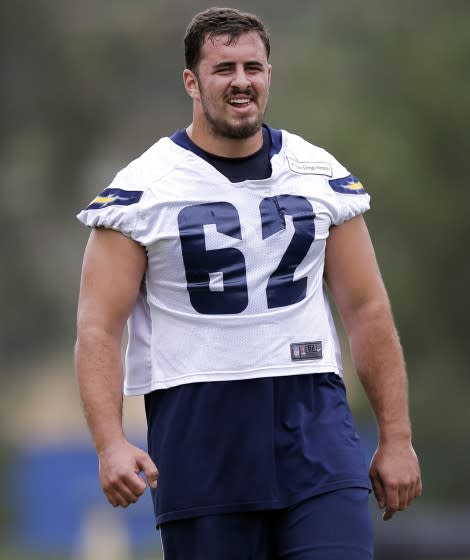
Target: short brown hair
{"x":214,"y":22}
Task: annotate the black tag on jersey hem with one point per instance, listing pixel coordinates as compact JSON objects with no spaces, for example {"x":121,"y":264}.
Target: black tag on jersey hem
{"x":306,"y":351}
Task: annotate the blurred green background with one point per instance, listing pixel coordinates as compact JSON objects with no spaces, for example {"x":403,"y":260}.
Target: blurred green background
{"x":87,"y":86}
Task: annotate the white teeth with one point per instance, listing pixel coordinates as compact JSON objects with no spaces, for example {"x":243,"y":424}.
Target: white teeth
{"x":239,"y":101}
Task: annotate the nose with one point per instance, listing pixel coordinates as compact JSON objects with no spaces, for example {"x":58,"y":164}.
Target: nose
{"x":240,"y":79}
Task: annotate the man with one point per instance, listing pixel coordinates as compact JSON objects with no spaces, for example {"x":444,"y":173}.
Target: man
{"x":217,"y":244}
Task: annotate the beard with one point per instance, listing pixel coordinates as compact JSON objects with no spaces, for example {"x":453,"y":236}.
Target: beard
{"x":235,"y":131}
{"x":241,"y":130}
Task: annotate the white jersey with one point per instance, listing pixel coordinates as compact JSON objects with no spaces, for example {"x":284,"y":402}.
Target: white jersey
{"x":234,"y":283}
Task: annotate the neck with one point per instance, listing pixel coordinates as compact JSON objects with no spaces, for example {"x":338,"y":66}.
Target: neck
{"x":222,"y":146}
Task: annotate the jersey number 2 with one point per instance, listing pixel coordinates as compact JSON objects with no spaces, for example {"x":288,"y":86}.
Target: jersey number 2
{"x":200,"y":263}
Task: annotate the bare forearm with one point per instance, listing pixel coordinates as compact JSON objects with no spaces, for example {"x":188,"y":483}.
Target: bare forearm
{"x":100,"y":377}
{"x":353,"y":276}
{"x":379,"y":361}
{"x":113,"y":267}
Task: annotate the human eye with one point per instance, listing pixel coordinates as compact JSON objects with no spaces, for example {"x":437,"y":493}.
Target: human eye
{"x":223,"y":69}
{"x":254,"y":68}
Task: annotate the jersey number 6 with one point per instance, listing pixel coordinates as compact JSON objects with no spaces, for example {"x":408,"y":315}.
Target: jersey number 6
{"x":200,"y":263}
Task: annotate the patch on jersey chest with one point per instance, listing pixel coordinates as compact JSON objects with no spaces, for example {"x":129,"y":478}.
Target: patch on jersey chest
{"x":347,"y":185}
{"x":310,"y":167}
{"x":115,"y":197}
{"x":306,"y":351}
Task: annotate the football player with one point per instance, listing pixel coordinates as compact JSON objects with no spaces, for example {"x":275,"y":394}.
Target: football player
{"x":217,"y":246}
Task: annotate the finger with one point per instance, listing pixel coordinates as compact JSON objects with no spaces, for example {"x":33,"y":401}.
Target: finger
{"x":405,"y":493}
{"x":411,"y":493}
{"x":388,"y":514}
{"x":111,"y":498}
{"x":149,"y":469}
{"x":122,"y":490}
{"x":419,"y":488}
{"x":415,"y":491}
{"x":392,"y":499}
{"x":134,"y":484}
{"x":116,"y":500}
{"x":378,"y":489}
{"x":126,"y":496}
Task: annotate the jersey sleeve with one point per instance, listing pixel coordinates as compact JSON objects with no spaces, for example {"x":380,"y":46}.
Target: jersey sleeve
{"x":117,"y":206}
{"x":348,"y":196}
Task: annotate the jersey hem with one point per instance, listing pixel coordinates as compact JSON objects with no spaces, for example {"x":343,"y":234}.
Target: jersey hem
{"x":217,"y":376}
{"x":275,"y":503}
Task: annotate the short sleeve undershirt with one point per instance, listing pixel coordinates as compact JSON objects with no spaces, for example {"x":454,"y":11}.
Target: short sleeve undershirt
{"x":255,"y":166}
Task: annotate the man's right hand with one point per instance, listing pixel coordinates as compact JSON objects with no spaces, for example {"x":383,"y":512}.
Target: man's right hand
{"x":120,"y":467}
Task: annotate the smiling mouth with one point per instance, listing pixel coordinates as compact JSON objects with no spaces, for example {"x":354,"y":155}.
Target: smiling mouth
{"x":240,"y":103}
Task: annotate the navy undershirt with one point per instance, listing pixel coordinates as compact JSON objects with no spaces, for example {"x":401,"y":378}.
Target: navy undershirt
{"x":255,"y":166}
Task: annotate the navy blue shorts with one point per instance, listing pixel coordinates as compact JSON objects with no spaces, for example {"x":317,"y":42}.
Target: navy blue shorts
{"x":332,"y":526}
{"x":257,"y":444}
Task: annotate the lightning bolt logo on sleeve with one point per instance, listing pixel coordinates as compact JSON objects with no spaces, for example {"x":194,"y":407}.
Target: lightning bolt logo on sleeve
{"x":115,"y":197}
{"x":347,"y":185}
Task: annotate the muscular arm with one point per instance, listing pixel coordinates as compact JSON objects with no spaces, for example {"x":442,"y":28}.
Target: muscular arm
{"x":353,"y":277}
{"x":113,"y":268}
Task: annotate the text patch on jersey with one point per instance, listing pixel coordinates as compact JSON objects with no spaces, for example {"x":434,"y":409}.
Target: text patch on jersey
{"x":310,"y":167}
{"x":113,"y":197}
{"x":347,"y":185}
{"x":306,"y":351}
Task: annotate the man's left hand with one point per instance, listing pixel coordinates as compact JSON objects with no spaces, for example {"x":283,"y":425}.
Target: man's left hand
{"x":395,"y":476}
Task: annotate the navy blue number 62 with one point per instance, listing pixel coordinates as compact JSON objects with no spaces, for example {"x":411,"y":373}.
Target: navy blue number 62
{"x":200,"y":263}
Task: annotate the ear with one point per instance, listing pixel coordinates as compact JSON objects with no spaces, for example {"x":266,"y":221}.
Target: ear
{"x":191,"y":84}
{"x":270,"y":71}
